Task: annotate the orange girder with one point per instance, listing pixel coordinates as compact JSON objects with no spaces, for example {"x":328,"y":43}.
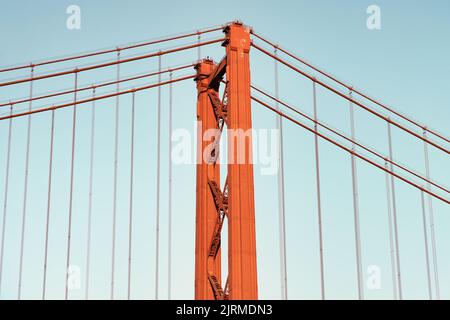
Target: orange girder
{"x":206,"y":213}
{"x":236,"y":201}
{"x":242,"y":274}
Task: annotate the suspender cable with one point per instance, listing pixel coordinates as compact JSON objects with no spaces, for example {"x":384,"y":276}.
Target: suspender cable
{"x":425,"y":238}
{"x":91,"y":175}
{"x":281,"y":210}
{"x":122,"y":48}
{"x":97,"y":85}
{"x":65,"y":105}
{"x":394,"y":215}
{"x":356,"y":207}
{"x":116,"y":153}
{"x":349,"y":150}
{"x":356,"y":143}
{"x":365,"y":96}
{"x":430,"y":209}
{"x":49,"y":193}
{"x":169,"y":280}
{"x":111,"y":63}
{"x":69,"y":229}
{"x":389,"y":171}
{"x":5,"y":199}
{"x":25,"y":191}
{"x":130,"y":223}
{"x":359,"y":104}
{"x":199,"y":49}
{"x":319,"y":203}
{"x":391,"y":232}
{"x":157,"y":183}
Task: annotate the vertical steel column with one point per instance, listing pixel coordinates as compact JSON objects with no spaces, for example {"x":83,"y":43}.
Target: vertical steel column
{"x":25,"y":191}
{"x":49,"y":192}
{"x":241,"y":209}
{"x":319,"y":202}
{"x":356,"y":206}
{"x":91,"y":176}
{"x":391,"y":232}
{"x":158,"y":177}
{"x":430,"y":211}
{"x":425,"y":241}
{"x":72,"y":168}
{"x":394,"y":215}
{"x":169,"y":262}
{"x":206,"y":212}
{"x":281,"y":210}
{"x":130,"y":221}
{"x":5,"y":201}
{"x":116,"y":160}
{"x":199,"y":48}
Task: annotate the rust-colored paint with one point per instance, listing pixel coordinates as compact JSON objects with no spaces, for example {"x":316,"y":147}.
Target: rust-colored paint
{"x":236,"y":201}
{"x":206,"y":213}
{"x":242,"y":271}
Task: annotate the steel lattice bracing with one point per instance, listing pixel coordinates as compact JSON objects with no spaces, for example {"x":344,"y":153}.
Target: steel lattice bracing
{"x":236,"y":201}
{"x":207,"y":267}
{"x":224,"y":202}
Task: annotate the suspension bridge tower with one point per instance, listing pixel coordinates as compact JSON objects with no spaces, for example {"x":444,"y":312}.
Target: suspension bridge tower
{"x":234,"y":202}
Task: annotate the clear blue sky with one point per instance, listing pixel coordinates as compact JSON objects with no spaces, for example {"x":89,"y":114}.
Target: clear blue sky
{"x":404,"y":64}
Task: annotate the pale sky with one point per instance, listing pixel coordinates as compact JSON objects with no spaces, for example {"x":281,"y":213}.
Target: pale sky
{"x":404,"y":64}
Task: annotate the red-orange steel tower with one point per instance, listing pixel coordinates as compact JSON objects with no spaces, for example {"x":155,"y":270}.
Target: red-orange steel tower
{"x":236,"y":200}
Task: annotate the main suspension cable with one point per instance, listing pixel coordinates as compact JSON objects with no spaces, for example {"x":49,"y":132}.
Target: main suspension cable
{"x":379,"y":115}
{"x":96,"y":86}
{"x":360,"y":145}
{"x":365,"y":96}
{"x":122,"y":48}
{"x":69,"y":104}
{"x":111,"y":63}
{"x":355,"y":153}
